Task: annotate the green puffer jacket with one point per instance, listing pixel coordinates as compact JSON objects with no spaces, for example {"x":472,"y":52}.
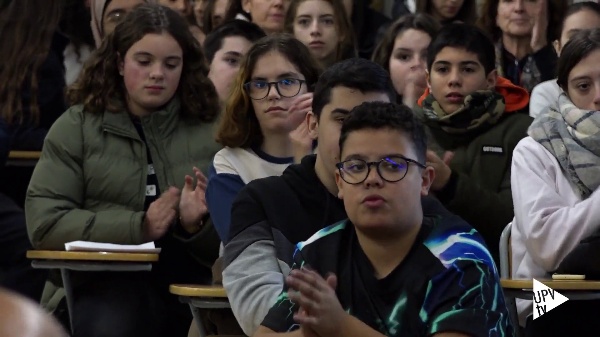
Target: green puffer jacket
{"x":479,"y":188}
{"x":90,"y":182}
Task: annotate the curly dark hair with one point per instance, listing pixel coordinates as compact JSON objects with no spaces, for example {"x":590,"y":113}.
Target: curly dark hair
{"x":489,"y":12}
{"x":383,"y":115}
{"x":100,"y":87}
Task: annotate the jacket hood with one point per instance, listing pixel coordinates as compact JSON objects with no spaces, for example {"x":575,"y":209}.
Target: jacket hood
{"x":515,"y":97}
{"x":97,"y":8}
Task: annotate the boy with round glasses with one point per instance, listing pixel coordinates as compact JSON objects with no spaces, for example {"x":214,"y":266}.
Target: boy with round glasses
{"x":390,"y":169}
{"x":389,"y":270}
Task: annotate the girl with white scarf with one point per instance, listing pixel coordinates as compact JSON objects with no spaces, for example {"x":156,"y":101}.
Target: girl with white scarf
{"x":555,"y":180}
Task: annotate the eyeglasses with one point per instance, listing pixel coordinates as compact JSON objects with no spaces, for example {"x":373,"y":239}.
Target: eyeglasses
{"x":287,"y":87}
{"x":390,"y":169}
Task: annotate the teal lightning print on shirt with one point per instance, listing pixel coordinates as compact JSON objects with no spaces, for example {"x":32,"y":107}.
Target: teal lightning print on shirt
{"x":321,"y":234}
{"x":449,"y":283}
{"x":470,"y":282}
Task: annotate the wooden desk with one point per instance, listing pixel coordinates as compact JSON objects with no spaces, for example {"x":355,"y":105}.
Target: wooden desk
{"x":573,"y":289}
{"x":195,"y":290}
{"x":89,"y":262}
{"x":554,"y":284}
{"x":201,"y":297}
{"x":90,"y":256}
{"x":23,"y":158}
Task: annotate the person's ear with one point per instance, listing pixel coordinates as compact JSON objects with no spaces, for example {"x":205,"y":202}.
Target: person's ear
{"x":427,"y":177}
{"x":557,"y":47}
{"x":247,"y":6}
{"x":313,"y":125}
{"x":428,"y":80}
{"x":492,"y":79}
{"x":340,"y":184}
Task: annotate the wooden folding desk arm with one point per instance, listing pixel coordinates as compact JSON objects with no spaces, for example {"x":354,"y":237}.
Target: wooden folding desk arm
{"x":195,"y":290}
{"x":90,"y":256}
{"x":574,"y":290}
{"x":201,"y":297}
{"x":23,"y":158}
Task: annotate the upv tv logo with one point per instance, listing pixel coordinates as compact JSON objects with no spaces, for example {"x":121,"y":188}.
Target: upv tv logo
{"x":545,"y":299}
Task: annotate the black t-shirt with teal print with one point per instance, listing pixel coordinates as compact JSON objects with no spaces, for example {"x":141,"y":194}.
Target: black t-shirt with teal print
{"x":152,"y":190}
{"x":446,"y":283}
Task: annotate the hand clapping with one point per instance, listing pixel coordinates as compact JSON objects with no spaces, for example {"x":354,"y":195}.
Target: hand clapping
{"x":192,"y":206}
{"x":441,"y":167}
{"x":320,"y":310}
{"x":160,"y":215}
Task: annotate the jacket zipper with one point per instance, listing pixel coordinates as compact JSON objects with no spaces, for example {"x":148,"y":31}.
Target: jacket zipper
{"x":143,"y":178}
{"x":160,"y":151}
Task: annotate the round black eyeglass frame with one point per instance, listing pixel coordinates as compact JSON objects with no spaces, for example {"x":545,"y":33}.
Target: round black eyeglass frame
{"x":340,"y":167}
{"x":276,"y":84}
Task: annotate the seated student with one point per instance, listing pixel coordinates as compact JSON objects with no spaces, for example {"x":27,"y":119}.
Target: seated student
{"x":324,"y":27}
{"x":389,"y":270}
{"x":474,"y":120}
{"x":224,"y":49}
{"x":403,"y":52}
{"x":260,"y":115}
{"x":582,"y":15}
{"x":522,"y":31}
{"x":117,"y":167}
{"x":270,"y":215}
{"x":555,"y":186}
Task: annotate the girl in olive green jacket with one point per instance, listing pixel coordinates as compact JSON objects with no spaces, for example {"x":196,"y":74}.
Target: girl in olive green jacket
{"x":119,"y":167}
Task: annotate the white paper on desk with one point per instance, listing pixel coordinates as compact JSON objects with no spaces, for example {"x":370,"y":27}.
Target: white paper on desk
{"x":88,"y":246}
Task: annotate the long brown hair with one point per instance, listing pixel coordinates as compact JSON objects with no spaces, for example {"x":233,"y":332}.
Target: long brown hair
{"x":239,"y":127}
{"x":466,"y":14}
{"x":421,"y":21}
{"x":100,"y":87}
{"x":26,"y":28}
{"x":343,"y":27}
